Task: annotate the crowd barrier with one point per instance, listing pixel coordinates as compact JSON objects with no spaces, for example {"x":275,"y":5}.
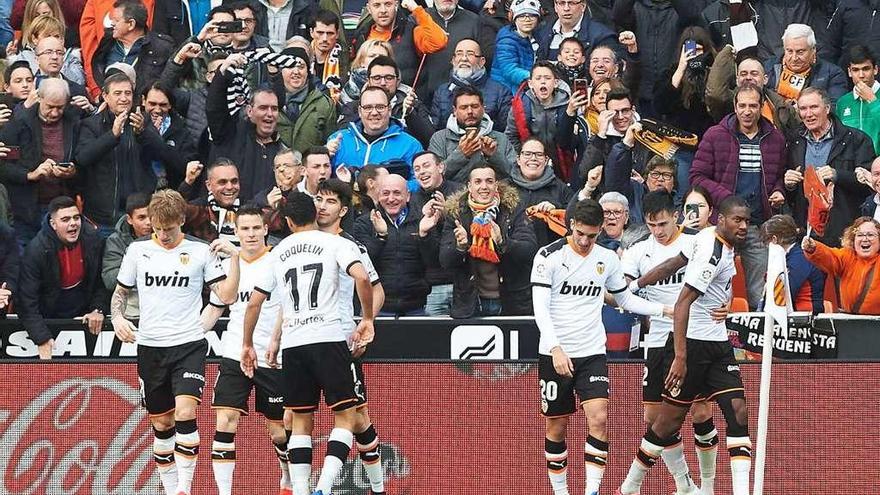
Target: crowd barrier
{"x":462,"y":427}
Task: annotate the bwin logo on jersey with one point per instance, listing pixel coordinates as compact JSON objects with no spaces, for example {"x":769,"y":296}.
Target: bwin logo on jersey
{"x":591,"y":290}
{"x":166,"y":280}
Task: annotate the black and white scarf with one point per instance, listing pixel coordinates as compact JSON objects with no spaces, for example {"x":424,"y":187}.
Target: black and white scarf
{"x":239,"y":92}
{"x":224,"y":218}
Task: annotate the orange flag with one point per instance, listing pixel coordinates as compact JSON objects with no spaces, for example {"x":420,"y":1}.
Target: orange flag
{"x":818,"y":199}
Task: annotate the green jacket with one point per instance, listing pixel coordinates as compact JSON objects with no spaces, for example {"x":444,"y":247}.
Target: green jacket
{"x":861,"y":115}
{"x":317,"y":119}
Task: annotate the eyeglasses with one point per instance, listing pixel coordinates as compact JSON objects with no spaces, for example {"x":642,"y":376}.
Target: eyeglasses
{"x":866,"y":235}
{"x":249,"y":21}
{"x":660,"y":175}
{"x":623,"y":111}
{"x":568,"y":3}
{"x":614,"y":213}
{"x":58,"y":53}
{"x":532,"y":154}
{"x":370,"y":108}
{"x":379,"y":78}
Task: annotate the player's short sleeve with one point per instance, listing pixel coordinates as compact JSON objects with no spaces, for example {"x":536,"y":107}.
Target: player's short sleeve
{"x":368,"y":265}
{"x":629,"y":262}
{"x":213,"y":299}
{"x":615,"y":283}
{"x":688,"y":242}
{"x":213,"y":271}
{"x":127,"y":276}
{"x":542,"y":269}
{"x":266,"y":280}
{"x":347,"y":254}
{"x":703,"y":264}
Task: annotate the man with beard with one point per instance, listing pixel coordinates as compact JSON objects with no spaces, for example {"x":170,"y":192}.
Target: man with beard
{"x":307,"y":115}
{"x":469,"y":69}
{"x":458,"y":24}
{"x":331,"y":62}
{"x":60,"y":275}
{"x":214,"y":217}
{"x":178,"y":145}
{"x":469,"y":138}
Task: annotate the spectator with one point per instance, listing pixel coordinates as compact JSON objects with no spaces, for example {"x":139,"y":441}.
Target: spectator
{"x":366,"y":189}
{"x":280,"y":20}
{"x":460,"y":148}
{"x":861,"y":108}
{"x":247,"y":39}
{"x":181,"y":19}
{"x":657,"y":26}
{"x":178,"y":147}
{"x":571,"y":21}
{"x":331,"y":63}
{"x":383,"y":72}
{"x":680,"y":94}
{"x":745,"y":67}
{"x":698,"y":208}
{"x":47,"y":134}
{"x":288,"y":169}
{"x":800,"y":67}
{"x":357,"y":78}
{"x":134,"y":225}
{"x":307,"y":115}
{"x":851,"y":25}
{"x":537,"y":111}
{"x":400,"y":242}
{"x":27,"y":13}
{"x":213,"y":217}
{"x":316,"y":162}
{"x":9,"y":267}
{"x":60,"y":275}
{"x":459,"y":24}
{"x":130,"y":42}
{"x":430,"y":199}
{"x":18,"y":81}
{"x":114,"y":155}
{"x":604,"y":63}
{"x":411,"y":34}
{"x":251,"y":140}
{"x":537,"y":186}
{"x":871,"y":206}
{"x":487,"y":257}
{"x":744,"y":156}
{"x":806,"y":283}
{"x":586,"y":118}
{"x":835,"y":151}
{"x":658,"y":174}
{"x":618,"y":233}
{"x":514,"y":52}
{"x":210,"y":37}
{"x":854,"y":265}
{"x":375,"y":138}
{"x":469,"y":69}
{"x":70,"y":60}
{"x":50,"y":53}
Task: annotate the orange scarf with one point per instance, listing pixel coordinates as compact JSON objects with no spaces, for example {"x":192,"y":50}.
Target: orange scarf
{"x":792,"y":83}
{"x":555,"y":219}
{"x":482,"y":244}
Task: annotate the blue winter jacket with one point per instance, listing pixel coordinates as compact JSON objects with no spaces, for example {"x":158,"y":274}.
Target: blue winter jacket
{"x":590,"y":33}
{"x":496,"y":101}
{"x":514,"y":58}
{"x":394,"y":149}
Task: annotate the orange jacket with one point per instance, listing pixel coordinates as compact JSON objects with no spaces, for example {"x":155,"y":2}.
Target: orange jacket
{"x":851,"y":271}
{"x":428,"y":36}
{"x":91,"y":31}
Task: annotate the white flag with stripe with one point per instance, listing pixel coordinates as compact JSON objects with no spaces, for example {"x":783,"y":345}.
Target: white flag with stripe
{"x":777,"y":299}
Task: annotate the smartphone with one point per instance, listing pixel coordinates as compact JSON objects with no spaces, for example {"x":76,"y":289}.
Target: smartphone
{"x":690,"y":47}
{"x":139,"y":109}
{"x":471,"y":132}
{"x":14,"y":152}
{"x":236,"y":26}
{"x":691,"y":211}
{"x":580,"y":86}
{"x":64,"y":164}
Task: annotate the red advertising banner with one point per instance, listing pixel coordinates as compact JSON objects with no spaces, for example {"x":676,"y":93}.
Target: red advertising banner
{"x":445,"y":428}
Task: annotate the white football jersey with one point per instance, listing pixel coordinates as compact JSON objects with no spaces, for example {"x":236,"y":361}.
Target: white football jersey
{"x":710,"y":271}
{"x":577,"y":289}
{"x":169,"y":284}
{"x":250,"y":272}
{"x":305,"y":277}
{"x":641,"y":258}
{"x":346,"y":286}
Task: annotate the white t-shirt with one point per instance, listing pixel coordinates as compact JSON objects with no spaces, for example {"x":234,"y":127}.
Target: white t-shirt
{"x":169,"y":284}
{"x":710,"y":271}
{"x":305,"y":277}
{"x":346,"y":286}
{"x":577,"y":290}
{"x":249,"y":273}
{"x":641,"y":258}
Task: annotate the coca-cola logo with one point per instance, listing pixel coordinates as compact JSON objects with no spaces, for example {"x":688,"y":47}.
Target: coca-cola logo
{"x":64,"y":441}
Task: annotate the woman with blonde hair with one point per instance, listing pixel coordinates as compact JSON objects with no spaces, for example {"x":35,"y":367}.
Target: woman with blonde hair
{"x":856,"y":265}
{"x":357,"y":78}
{"x":45,"y":26}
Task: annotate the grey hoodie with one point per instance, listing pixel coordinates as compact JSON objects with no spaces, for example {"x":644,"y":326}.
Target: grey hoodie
{"x":114,"y":250}
{"x":444,"y":144}
{"x":543,"y":122}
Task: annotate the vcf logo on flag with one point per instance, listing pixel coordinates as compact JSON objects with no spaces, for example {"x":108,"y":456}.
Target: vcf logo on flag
{"x":777,"y":302}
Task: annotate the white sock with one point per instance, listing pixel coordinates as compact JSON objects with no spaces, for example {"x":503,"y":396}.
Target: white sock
{"x":645,"y":459}
{"x":163,"y":454}
{"x":338,"y":446}
{"x":595,"y":458}
{"x":299,"y":455}
{"x":707,"y":455}
{"x":556,"y":454}
{"x":186,"y":454}
{"x":368,"y":449}
{"x":740,"y":449}
{"x":675,"y":462}
{"x":223,"y":461}
{"x":281,"y":453}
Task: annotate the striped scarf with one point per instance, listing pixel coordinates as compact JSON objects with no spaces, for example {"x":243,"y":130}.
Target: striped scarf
{"x":239,"y":92}
{"x":331,"y":77}
{"x":482,"y":245}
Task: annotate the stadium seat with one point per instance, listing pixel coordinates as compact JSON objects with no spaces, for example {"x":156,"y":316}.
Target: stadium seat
{"x":739,"y":283}
{"x":739,"y":305}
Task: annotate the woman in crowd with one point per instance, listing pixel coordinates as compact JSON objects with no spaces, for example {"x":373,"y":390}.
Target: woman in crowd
{"x":357,"y":78}
{"x":44,"y":26}
{"x":855,"y":265}
{"x":806,"y":283}
{"x":697,"y":208}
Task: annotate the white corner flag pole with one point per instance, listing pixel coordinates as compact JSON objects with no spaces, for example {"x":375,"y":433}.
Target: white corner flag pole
{"x":763,"y":406}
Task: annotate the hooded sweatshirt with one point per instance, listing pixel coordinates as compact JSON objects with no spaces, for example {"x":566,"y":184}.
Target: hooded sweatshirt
{"x":547,"y":187}
{"x":444,"y":144}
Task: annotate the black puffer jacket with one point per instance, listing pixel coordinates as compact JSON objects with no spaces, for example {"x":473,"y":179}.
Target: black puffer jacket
{"x":548,"y":187}
{"x":155,"y":52}
{"x":854,"y":22}
{"x":38,"y":283}
{"x":400,"y":259}
{"x":517,"y":251}
{"x":434,"y":273}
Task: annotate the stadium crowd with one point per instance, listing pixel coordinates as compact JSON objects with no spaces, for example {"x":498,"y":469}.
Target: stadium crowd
{"x":466,"y":128}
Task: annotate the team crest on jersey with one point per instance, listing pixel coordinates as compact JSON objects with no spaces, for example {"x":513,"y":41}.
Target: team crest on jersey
{"x":600,"y":268}
{"x":184,"y":258}
{"x":706,"y":275}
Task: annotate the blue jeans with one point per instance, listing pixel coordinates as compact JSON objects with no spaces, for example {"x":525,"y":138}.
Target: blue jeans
{"x":439,"y":301}
{"x":488,"y":307}
{"x":6,"y":32}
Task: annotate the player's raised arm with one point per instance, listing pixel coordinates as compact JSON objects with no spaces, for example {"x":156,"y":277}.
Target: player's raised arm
{"x":227,"y":288}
